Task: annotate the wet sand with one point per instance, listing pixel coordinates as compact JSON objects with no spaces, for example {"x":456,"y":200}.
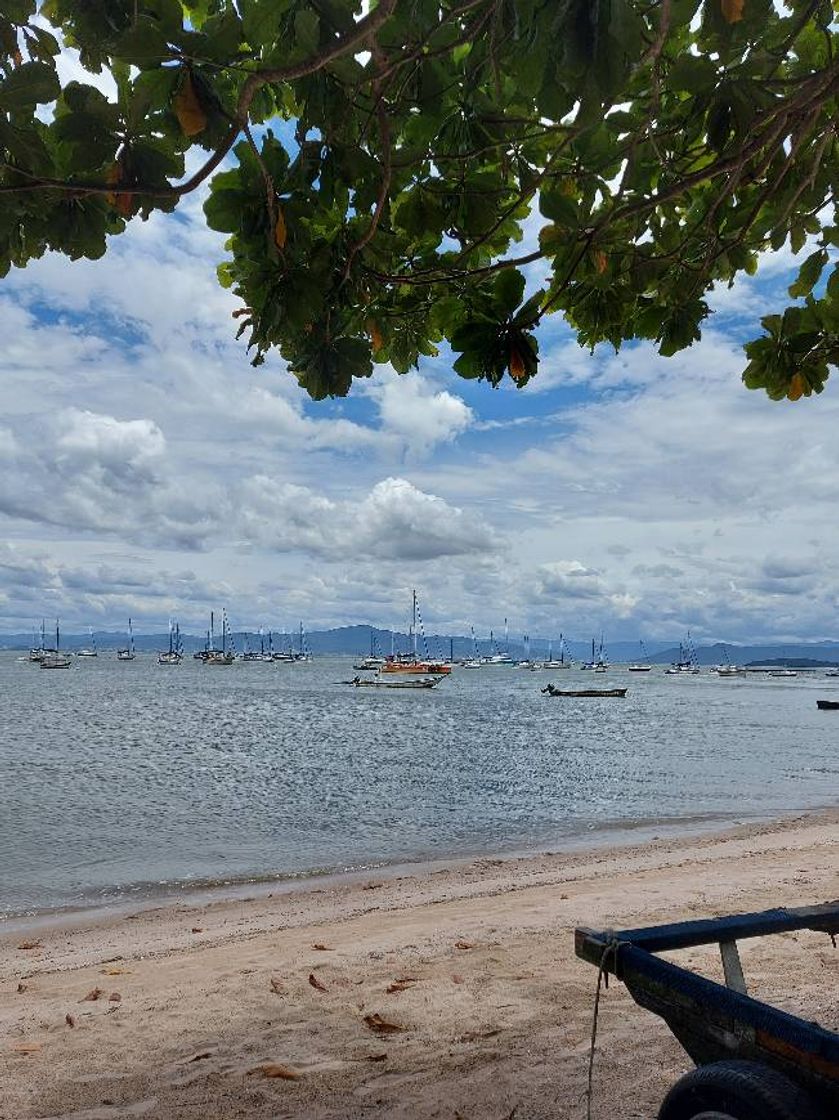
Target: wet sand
{"x":451,"y":992}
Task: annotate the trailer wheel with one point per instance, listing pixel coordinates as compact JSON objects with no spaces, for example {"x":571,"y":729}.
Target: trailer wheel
{"x":737,"y":1091}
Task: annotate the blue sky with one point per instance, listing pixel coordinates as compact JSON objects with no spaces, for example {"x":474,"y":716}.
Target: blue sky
{"x":148,"y":470}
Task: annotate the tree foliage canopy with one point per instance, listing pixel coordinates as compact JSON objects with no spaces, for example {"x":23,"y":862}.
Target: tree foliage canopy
{"x":657,"y":146}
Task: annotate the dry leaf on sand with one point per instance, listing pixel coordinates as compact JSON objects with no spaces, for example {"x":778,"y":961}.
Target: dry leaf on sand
{"x":274,"y":1069}
{"x":115,"y":971}
{"x":401,"y":985}
{"x":26,"y":1047}
{"x":277,"y":985}
{"x":323,"y":948}
{"x":376,"y":1057}
{"x":22,"y":987}
{"x":463,"y":945}
{"x":115,"y":997}
{"x":93,"y":994}
{"x":317,"y":984}
{"x":457,"y":978}
{"x":381,"y":1026}
{"x":30,"y":945}
{"x":197,"y":929}
{"x":69,"y":1020}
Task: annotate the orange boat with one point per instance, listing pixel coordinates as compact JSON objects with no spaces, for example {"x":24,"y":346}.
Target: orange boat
{"x":411,"y":663}
{"x":436,"y":668}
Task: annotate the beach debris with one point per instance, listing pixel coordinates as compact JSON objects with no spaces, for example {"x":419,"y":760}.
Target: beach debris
{"x":30,"y":945}
{"x":197,"y":929}
{"x":22,"y":987}
{"x":277,"y":986}
{"x":464,"y":945}
{"x":323,"y":948}
{"x":26,"y":1047}
{"x":115,"y":971}
{"x":115,"y":997}
{"x":457,"y":978}
{"x":93,"y":995}
{"x":317,"y":984}
{"x":199,"y":1057}
{"x":376,"y":1057}
{"x":402,"y":984}
{"x":381,"y":1026}
{"x":69,"y":1020}
{"x":372,"y":887}
{"x":274,"y":1069}
{"x":110,"y":960}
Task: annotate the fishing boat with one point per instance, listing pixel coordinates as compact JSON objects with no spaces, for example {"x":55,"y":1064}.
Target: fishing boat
{"x":412,"y":663}
{"x":642,"y":666}
{"x":91,"y":650}
{"x":127,"y":654}
{"x":552,"y":690}
{"x":175,"y":654}
{"x":54,"y":658}
{"x":380,"y":682}
{"x":828,"y":705}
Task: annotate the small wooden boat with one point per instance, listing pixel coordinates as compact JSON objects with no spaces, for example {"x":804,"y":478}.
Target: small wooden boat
{"x":828,"y":705}
{"x":552,"y":690}
{"x":378,"y":682}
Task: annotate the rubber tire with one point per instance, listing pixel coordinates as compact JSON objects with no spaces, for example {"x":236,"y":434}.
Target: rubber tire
{"x":739,"y":1091}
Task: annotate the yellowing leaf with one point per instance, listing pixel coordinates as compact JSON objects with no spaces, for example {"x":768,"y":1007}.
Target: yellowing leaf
{"x":797,"y":388}
{"x":600,"y":260}
{"x":732,"y":10}
{"x":190,"y":114}
{"x":375,"y":334}
{"x":280,"y":231}
{"x":517,"y":373}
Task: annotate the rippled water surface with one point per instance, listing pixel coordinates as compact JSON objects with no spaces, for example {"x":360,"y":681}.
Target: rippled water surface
{"x":118,"y":778}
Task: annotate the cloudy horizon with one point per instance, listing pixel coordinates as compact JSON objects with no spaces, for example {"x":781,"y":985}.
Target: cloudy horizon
{"x":149,"y":470}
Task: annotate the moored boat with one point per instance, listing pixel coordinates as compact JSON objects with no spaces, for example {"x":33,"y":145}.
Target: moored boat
{"x":828,"y":705}
{"x":642,"y":666}
{"x":127,"y":654}
{"x":54,"y":658}
{"x":411,"y":662}
{"x":175,"y":654}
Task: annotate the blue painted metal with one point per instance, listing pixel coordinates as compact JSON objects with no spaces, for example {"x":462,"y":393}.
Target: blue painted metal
{"x":714,"y":1022}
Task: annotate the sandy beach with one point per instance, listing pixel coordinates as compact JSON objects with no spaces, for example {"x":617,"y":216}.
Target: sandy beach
{"x":449,"y":993}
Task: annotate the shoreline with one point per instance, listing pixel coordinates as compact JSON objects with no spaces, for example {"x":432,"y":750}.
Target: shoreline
{"x":137,"y":897}
{"x":472,"y":966}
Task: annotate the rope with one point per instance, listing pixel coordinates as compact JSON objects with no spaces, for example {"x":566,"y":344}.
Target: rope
{"x":603,"y":972}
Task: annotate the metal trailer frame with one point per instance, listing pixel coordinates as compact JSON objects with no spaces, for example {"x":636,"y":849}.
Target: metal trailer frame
{"x":715,"y":1022}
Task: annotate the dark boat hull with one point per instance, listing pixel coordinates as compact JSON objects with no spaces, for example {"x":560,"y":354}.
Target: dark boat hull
{"x":828,"y":705}
{"x":551,"y":690}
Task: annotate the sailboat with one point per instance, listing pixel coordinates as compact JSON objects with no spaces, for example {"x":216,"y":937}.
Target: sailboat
{"x":174,"y":655}
{"x":55,"y":659}
{"x":128,"y":653}
{"x":39,"y":652}
{"x":304,"y":653}
{"x":91,"y":651}
{"x":374,"y":660}
{"x":499,"y":657}
{"x":412,"y":663}
{"x":687,"y":659}
{"x":224,"y":656}
{"x":728,"y":669}
{"x":473,"y":662}
{"x":642,"y":666}
{"x":599,"y":662}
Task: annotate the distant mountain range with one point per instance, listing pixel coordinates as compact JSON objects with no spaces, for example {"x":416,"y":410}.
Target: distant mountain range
{"x":357,"y":640}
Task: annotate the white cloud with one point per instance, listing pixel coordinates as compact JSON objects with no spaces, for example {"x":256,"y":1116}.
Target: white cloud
{"x":418,"y":416}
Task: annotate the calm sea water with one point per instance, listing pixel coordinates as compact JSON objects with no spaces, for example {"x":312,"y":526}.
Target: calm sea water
{"x":122,"y":779}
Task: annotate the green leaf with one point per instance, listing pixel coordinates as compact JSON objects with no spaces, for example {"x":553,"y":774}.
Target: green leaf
{"x":33,"y":83}
{"x":508,"y":290}
{"x":808,"y":274}
{"x":559,"y":208}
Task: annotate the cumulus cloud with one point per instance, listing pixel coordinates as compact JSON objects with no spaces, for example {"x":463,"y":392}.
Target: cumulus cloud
{"x":419,"y":416}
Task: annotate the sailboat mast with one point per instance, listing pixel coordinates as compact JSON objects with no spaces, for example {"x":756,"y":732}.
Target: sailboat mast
{"x":130,"y":636}
{"x":212,"y":631}
{"x":57,"y":639}
{"x":506,"y":636}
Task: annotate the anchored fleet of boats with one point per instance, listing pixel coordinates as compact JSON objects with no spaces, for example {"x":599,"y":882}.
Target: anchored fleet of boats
{"x":414,"y":668}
